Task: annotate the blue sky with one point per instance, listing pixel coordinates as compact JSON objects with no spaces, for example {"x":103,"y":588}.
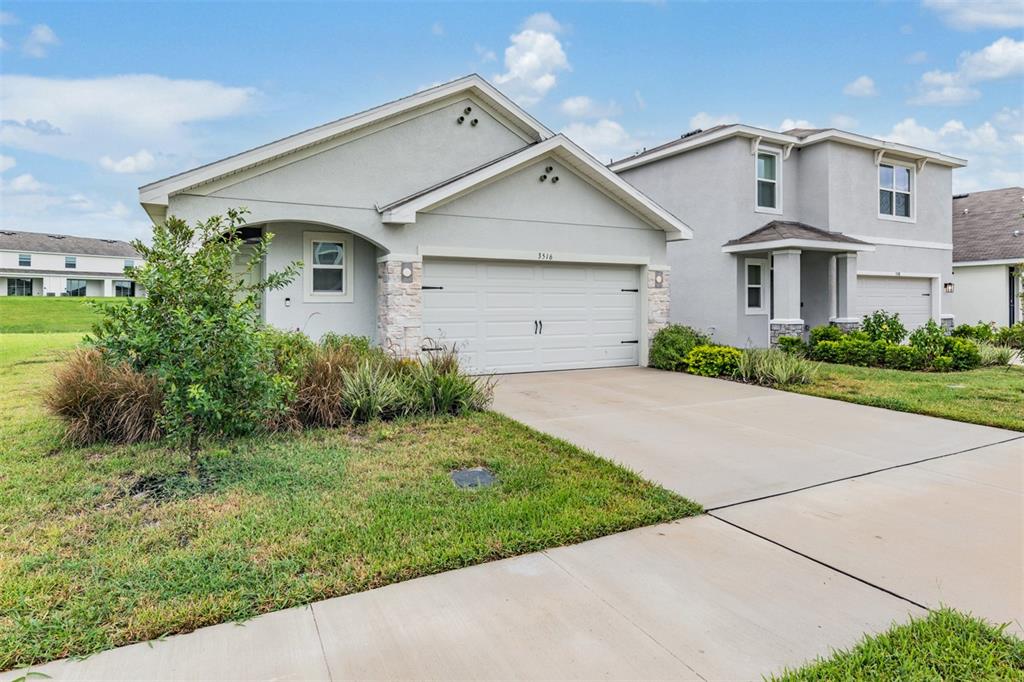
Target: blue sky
{"x":99,"y":98}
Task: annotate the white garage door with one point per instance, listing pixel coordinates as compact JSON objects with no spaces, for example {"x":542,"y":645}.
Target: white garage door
{"x":509,"y":316}
{"x":908,"y":296}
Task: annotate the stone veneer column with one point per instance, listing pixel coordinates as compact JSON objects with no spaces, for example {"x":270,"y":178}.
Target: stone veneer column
{"x":658,"y":301}
{"x":400,"y":306}
{"x":786,"y":282}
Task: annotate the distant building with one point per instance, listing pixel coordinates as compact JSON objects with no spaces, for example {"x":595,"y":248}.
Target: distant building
{"x":41,"y":264}
{"x":988,"y":249}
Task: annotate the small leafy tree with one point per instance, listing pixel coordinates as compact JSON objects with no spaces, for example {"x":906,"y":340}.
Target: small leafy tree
{"x":197,"y":331}
{"x":883,"y":326}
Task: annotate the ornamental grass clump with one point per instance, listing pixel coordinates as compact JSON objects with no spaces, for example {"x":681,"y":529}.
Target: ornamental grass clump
{"x":992,"y":355}
{"x":774,"y":367}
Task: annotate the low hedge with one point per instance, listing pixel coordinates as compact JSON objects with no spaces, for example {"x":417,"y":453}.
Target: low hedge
{"x":671,"y":344}
{"x":713,"y":361}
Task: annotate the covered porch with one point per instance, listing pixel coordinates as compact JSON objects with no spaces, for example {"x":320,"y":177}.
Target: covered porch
{"x":794,"y":276}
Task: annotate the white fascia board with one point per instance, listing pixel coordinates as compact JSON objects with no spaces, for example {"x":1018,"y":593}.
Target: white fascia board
{"x":978,"y":263}
{"x":881,"y":145}
{"x":405,"y":213}
{"x":804,"y":244}
{"x":158,"y":192}
{"x":911,"y":243}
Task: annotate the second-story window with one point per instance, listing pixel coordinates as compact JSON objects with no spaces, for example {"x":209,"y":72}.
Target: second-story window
{"x":894,"y":183}
{"x":70,"y":262}
{"x":129,"y":262}
{"x":25,"y":260}
{"x":768,"y":181}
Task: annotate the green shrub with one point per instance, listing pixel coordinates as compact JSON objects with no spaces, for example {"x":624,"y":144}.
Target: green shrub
{"x":774,"y":367}
{"x":883,"y":326}
{"x":983,"y":331}
{"x":860,"y":352}
{"x":334,"y":341}
{"x":712,"y":361}
{"x":942,"y":363}
{"x":903,"y":357}
{"x":102,"y":401}
{"x":793,"y":344}
{"x":197,"y":330}
{"x":856,"y":335}
{"x":292,"y":351}
{"x":437,"y":385}
{"x":825,"y":332}
{"x":929,"y":339}
{"x":1012,"y":336}
{"x":671,"y":344}
{"x":995,"y":356}
{"x":963,"y":352}
{"x":826,"y":351}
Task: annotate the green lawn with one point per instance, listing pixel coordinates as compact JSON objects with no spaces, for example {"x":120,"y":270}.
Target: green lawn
{"x":993,"y":396}
{"x":946,"y":645}
{"x":103,"y":546}
{"x":20,"y":314}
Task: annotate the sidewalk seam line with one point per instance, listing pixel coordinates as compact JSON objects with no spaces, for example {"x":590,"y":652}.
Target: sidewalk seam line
{"x":822,"y":563}
{"x":861,"y":475}
{"x":320,"y":639}
{"x":626,"y":618}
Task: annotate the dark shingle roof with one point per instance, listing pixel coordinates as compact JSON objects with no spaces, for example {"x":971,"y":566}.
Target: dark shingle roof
{"x":41,"y":242}
{"x":692,"y":135}
{"x":786,"y":229}
{"x":984,"y":223}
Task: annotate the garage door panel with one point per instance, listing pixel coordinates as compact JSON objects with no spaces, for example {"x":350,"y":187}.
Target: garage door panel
{"x":908,"y":296}
{"x":490,"y":307}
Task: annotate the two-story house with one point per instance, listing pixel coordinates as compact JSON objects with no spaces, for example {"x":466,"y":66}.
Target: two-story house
{"x":39,"y":264}
{"x":801,"y":228}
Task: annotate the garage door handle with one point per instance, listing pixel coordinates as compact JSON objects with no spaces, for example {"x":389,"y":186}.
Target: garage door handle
{"x":633,"y":341}
{"x":542,"y":326}
{"x":426,"y":287}
{"x":535,"y":327}
{"x":635,"y":291}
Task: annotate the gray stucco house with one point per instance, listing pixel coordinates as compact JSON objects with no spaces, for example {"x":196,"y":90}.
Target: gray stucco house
{"x":449,"y":216}
{"x":801,"y":228}
{"x":45,"y":264}
{"x":988,"y":253}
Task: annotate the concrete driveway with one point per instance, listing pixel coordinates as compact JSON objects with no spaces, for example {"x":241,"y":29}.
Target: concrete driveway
{"x":929,"y":510}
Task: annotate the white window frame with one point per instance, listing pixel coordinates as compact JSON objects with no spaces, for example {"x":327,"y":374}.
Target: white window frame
{"x":913,"y":191}
{"x":70,"y":262}
{"x":777,"y":153}
{"x":763,"y":286}
{"x":25,"y":255}
{"x":310,"y":296}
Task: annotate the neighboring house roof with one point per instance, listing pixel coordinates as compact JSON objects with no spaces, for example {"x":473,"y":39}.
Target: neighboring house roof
{"x":985,"y":223}
{"x":780,"y":234}
{"x":156,"y":194}
{"x":41,"y":242}
{"x":403,"y":211}
{"x":71,"y":274}
{"x":796,"y":137}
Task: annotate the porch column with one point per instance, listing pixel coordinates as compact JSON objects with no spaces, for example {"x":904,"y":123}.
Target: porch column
{"x":400,"y":305}
{"x":108,"y":288}
{"x":846,"y":292}
{"x":788,"y":319}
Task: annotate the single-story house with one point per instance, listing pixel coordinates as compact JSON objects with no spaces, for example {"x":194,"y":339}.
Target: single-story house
{"x":451,"y":216}
{"x":988,"y":253}
{"x":42,"y":264}
{"x":801,"y":228}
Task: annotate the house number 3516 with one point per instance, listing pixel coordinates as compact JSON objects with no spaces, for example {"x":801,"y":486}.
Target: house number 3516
{"x":545,"y":256}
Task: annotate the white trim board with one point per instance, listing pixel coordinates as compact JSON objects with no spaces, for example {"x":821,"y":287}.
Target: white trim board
{"x":888,"y":241}
{"x":535,"y":256}
{"x":979,"y":263}
{"x":895,"y":273}
{"x":805,"y":244}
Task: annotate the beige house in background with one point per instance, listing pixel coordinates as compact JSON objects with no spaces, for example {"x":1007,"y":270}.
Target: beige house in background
{"x":43,"y":264}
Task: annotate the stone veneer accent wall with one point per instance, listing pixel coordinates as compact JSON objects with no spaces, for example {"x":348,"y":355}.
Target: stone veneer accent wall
{"x":847,"y":326}
{"x":657,"y":302}
{"x":400,"y":307}
{"x":778,"y":330}
{"x":947,"y":324}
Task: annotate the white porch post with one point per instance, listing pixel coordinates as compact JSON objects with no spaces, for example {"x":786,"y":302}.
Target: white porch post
{"x":788,"y":319}
{"x":846,"y":292}
{"x":108,"y":288}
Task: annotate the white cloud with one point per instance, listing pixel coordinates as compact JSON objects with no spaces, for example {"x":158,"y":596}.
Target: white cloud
{"x":843,"y":122}
{"x":7,"y":163}
{"x":582,"y":106}
{"x":1002,"y":59}
{"x":862,"y":86}
{"x":533,"y":60}
{"x":789,"y":123}
{"x":993,"y":148}
{"x":40,"y":39}
{"x":437,"y":28}
{"x":705,"y":120}
{"x":21,"y":184}
{"x":7,"y":19}
{"x":484,"y":54}
{"x":919,"y":57}
{"x":641,"y":103}
{"x":134,"y":163}
{"x":605,"y":139}
{"x":973,"y":14}
{"x":84,"y":119}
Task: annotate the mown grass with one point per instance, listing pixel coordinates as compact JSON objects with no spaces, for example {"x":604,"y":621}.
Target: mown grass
{"x":104,"y":546}
{"x":993,"y":396}
{"x":46,"y":314}
{"x":946,"y":645}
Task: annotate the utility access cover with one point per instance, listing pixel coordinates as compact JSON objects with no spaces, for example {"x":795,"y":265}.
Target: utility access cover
{"x":476,"y":477}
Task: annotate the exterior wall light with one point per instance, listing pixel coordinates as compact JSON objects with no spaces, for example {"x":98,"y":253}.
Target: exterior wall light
{"x":948,"y":287}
